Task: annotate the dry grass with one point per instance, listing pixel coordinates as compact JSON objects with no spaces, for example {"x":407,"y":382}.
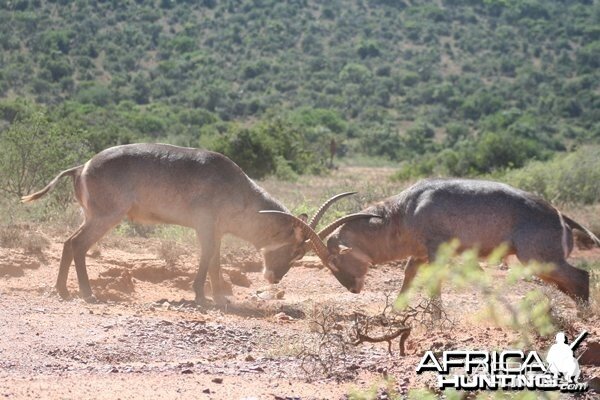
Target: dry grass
{"x":170,"y":251}
{"x":23,"y":237}
{"x":586,"y":215}
{"x":306,"y":195}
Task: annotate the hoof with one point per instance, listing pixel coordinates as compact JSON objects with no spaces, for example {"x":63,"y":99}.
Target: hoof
{"x":220,"y":300}
{"x":91,"y":299}
{"x":201,"y":301}
{"x":63,"y":293}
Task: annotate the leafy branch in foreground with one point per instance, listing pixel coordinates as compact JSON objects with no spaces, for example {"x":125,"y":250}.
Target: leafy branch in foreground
{"x":531,"y":315}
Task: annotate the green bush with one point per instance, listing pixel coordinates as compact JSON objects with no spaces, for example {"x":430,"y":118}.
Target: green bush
{"x":491,"y":152}
{"x":273,"y":146}
{"x":567,"y":178}
{"x":362,"y":70}
{"x":250,"y":149}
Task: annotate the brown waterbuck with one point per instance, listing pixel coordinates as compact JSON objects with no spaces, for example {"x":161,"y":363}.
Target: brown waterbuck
{"x":203,"y":190}
{"x":480,"y":214}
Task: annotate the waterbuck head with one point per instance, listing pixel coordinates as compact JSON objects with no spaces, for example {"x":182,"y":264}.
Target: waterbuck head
{"x":292,"y":243}
{"x":349,"y":266}
{"x":279,"y":257}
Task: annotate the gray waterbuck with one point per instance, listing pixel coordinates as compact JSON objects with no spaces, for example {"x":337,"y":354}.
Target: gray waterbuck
{"x":480,"y":214}
{"x":203,"y":190}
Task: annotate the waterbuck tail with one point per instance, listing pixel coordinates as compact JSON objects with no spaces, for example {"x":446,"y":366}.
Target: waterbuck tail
{"x":50,"y":186}
{"x":574,"y":225}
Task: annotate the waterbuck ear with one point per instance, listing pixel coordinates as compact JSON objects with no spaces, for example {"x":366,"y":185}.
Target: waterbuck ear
{"x":303,"y":217}
{"x":344,"y":249}
{"x":299,"y":234}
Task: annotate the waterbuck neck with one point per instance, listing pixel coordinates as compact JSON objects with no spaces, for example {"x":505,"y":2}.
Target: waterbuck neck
{"x":378,"y":242}
{"x":377,"y":238}
{"x":258,"y":229}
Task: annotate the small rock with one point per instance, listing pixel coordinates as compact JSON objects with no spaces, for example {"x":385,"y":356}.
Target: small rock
{"x":591,"y":356}
{"x":250,"y":358}
{"x":187,"y":371}
{"x":251,"y":266}
{"x":283,"y":317}
{"x":264,"y":294}
{"x":207,"y":391}
{"x":217,"y":380}
{"x":279,"y":295}
{"x":238,"y":278}
{"x":594,"y":384}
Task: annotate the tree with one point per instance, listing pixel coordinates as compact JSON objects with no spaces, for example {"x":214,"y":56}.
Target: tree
{"x":34,"y":150}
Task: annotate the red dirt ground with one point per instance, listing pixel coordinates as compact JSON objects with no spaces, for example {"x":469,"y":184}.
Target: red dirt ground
{"x":145,"y":342}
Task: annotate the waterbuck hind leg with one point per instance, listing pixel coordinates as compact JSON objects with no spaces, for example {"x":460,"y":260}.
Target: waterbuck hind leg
{"x":90,"y":232}
{"x":547,"y":247}
{"x":65,"y":263}
{"x":572,"y":281}
{"x":63,"y":272}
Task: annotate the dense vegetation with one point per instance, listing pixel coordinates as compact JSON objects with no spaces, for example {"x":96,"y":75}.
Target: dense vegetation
{"x":458,"y":87}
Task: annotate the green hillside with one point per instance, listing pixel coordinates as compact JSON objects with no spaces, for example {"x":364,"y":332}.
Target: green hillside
{"x":451,"y":86}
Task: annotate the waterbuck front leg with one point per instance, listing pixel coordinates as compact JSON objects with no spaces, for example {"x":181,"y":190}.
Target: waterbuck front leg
{"x":410,"y":271}
{"x":208,"y":247}
{"x":216,"y":278}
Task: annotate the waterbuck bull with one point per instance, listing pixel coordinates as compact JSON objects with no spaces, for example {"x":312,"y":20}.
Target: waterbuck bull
{"x":481,"y":214}
{"x":203,"y":190}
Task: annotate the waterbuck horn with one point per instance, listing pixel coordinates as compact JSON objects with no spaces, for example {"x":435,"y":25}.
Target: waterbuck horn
{"x":314,"y":221}
{"x":313,"y":238}
{"x":328,"y":230}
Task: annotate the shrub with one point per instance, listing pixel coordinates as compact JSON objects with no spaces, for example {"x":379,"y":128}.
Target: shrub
{"x":283,"y":170}
{"x":489,"y":153}
{"x":169,"y":251}
{"x":274,"y":146}
{"x":15,"y":236}
{"x":570,"y":178}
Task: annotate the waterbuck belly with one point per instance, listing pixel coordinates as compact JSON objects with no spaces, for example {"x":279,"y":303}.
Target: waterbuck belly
{"x":171,"y":215}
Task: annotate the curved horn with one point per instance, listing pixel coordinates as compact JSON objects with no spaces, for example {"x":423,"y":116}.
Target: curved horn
{"x":314,"y":221}
{"x":328,"y":230}
{"x":316,"y":243}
